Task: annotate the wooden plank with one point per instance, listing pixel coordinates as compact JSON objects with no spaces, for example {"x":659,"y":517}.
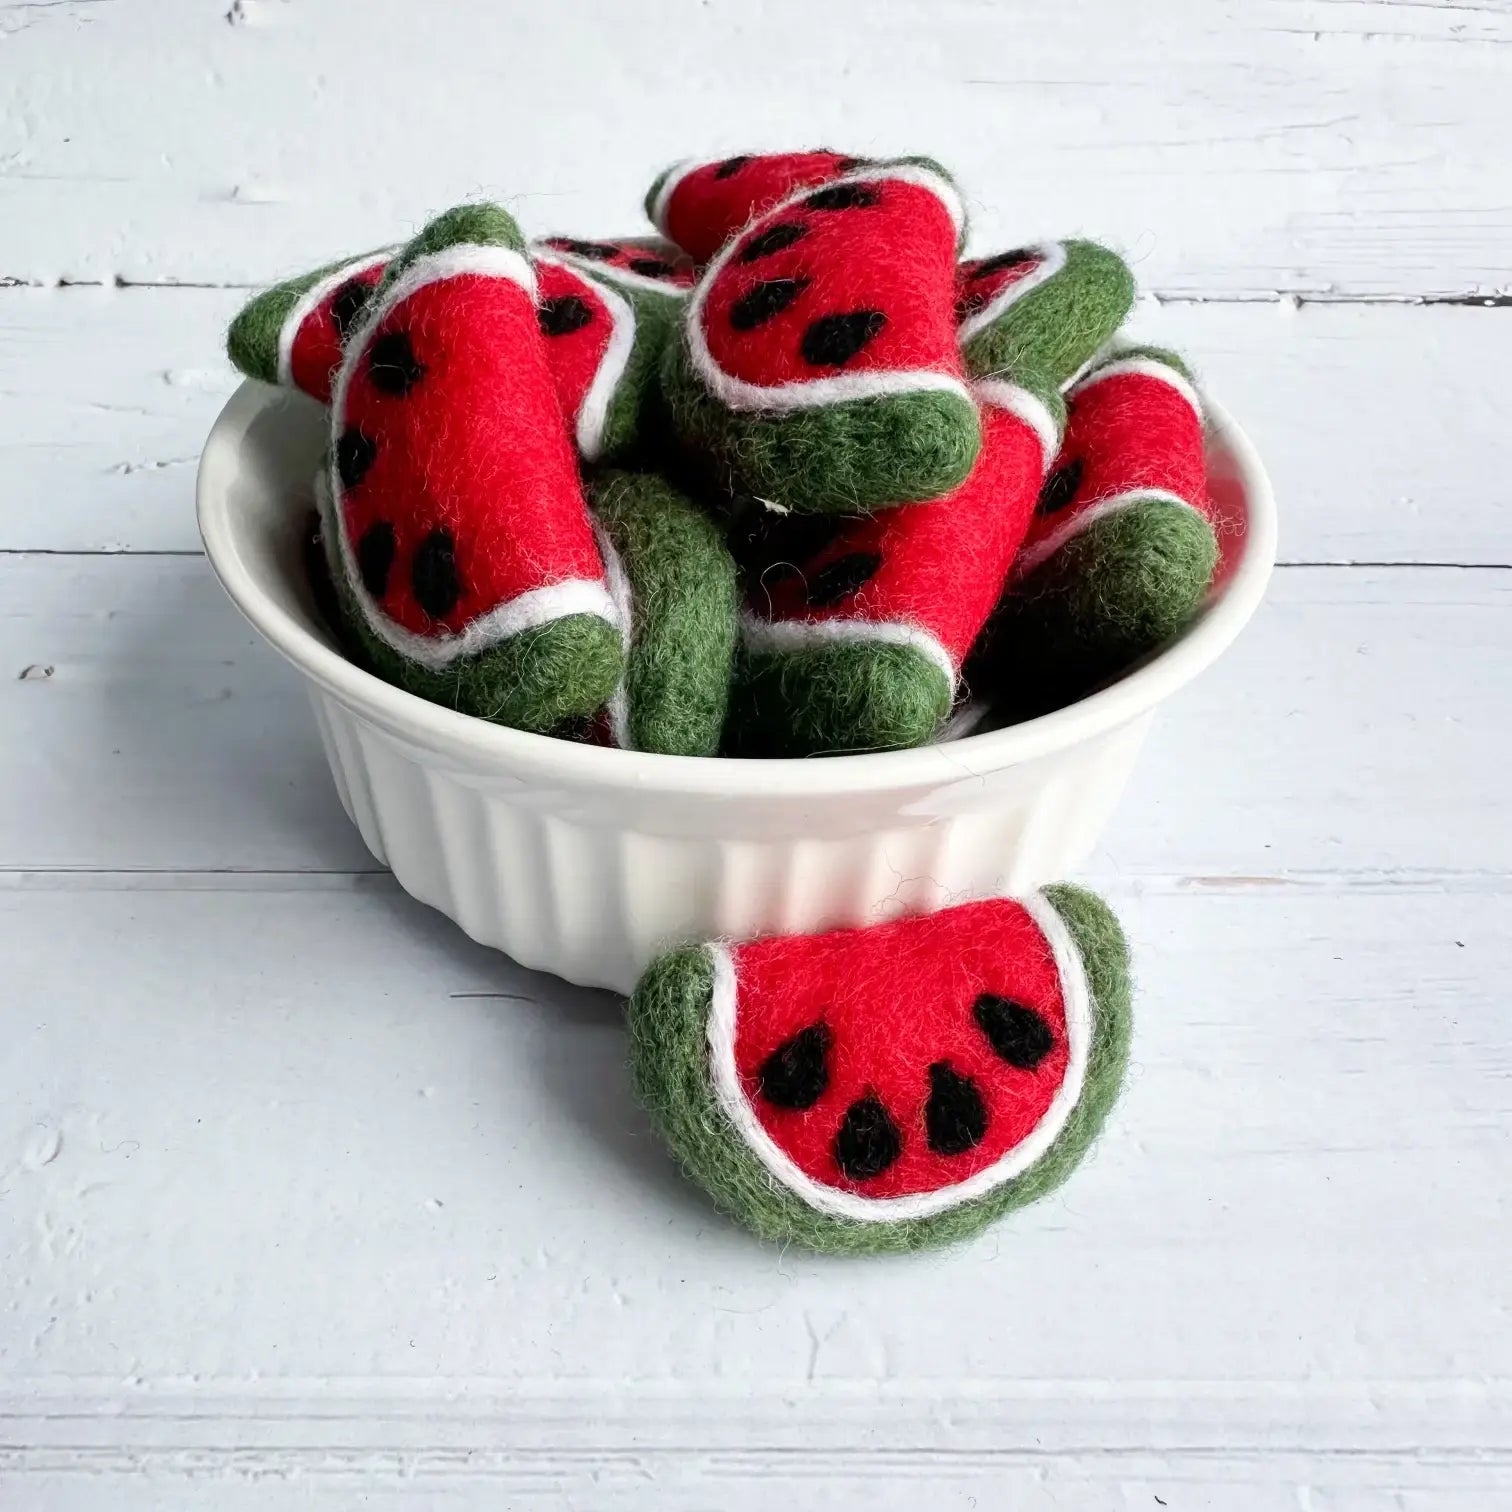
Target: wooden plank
{"x":303,"y":1184}
{"x":1276,"y":144}
{"x":1350,"y":730}
{"x":1381,"y":424}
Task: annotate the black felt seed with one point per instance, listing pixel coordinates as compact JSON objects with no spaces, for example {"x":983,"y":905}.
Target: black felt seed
{"x":347,"y":304}
{"x":652,"y":267}
{"x":355,"y":453}
{"x":731,"y":166}
{"x":795,"y":1075}
{"x":846,"y":164}
{"x":1060,"y":487}
{"x":392,"y":364}
{"x":955,"y":1117}
{"x":1017,"y":1033}
{"x":598,"y":251}
{"x":867,"y":1141}
{"x":838,"y":580}
{"x":433,"y":574}
{"x":1003,"y":261}
{"x":375,"y":555}
{"x":845,"y":197}
{"x":563,"y":314}
{"x":832,"y":340}
{"x":759,"y":304}
{"x":773,"y":239}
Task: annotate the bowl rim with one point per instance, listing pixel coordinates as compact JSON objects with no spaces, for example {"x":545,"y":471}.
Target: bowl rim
{"x":556,"y":762}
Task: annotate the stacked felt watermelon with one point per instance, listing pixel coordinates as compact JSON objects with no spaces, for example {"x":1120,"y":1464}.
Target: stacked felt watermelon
{"x":795,"y":475}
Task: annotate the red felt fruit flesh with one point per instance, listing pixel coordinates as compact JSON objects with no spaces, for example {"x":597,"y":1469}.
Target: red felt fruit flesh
{"x":923,"y":1057}
{"x":589,"y":333}
{"x":1135,"y":429}
{"x":315,"y":336}
{"x":456,"y":482}
{"x":700,"y":206}
{"x":938,"y":566}
{"x":993,"y":282}
{"x":628,"y":261}
{"x":853,"y":279}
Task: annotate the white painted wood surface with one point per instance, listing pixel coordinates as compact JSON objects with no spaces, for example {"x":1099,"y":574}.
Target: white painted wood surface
{"x":307,"y":1201}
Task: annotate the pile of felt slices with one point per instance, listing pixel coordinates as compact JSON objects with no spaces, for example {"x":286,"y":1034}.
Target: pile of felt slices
{"x":790,"y":479}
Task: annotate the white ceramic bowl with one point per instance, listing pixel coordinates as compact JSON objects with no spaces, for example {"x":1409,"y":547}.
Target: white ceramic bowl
{"x":587,"y":862}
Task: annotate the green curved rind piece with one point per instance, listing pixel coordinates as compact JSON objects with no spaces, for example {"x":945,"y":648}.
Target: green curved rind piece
{"x":1058,"y":327}
{"x":1113,"y":594}
{"x":637,"y":399}
{"x":846,"y":458}
{"x":1163,"y":355}
{"x":565,"y":669}
{"x":669,"y":1066}
{"x":482,"y":225}
{"x":252,"y":338}
{"x":685,"y":619}
{"x":835,"y":697}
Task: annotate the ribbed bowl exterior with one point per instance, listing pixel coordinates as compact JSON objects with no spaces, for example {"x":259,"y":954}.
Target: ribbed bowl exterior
{"x":590,"y":887}
{"x":588,"y":862}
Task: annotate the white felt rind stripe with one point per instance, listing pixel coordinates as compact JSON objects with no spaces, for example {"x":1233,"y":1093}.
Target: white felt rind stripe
{"x":311,"y":300}
{"x":1054,"y":255}
{"x":736,"y":394}
{"x":1143,"y":367}
{"x":1030,"y":408}
{"x":801,"y":634}
{"x":1045,"y":548}
{"x":526,"y":611}
{"x":624,"y":607}
{"x":435,"y":267}
{"x":593,"y":413}
{"x":674,"y":176}
{"x":735,"y":1103}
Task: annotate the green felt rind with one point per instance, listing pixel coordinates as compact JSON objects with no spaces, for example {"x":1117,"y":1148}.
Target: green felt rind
{"x":1163,"y":355}
{"x":833,"y":697}
{"x":669,"y":1066}
{"x":252,"y":340}
{"x":563,"y":670}
{"x":480,"y":225}
{"x":636,"y":407}
{"x":846,"y":458}
{"x":686,"y":612}
{"x":1061,"y":325}
{"x":1114,"y":593}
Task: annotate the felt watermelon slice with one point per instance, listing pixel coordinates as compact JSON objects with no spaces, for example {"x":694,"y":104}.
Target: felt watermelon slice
{"x":700,"y":206}
{"x":892,"y":1087}
{"x":1041,"y":312}
{"x":1122,"y":547}
{"x":599,"y":361}
{"x":857,"y":642}
{"x":819,"y":367}
{"x":464,"y":546}
{"x":294,"y":333}
{"x":642,"y":266}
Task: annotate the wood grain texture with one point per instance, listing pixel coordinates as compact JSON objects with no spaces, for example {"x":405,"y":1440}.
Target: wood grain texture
{"x":1385,"y":440}
{"x":306,"y":1201}
{"x":1350,"y":148}
{"x":431,"y":1234}
{"x":1350,"y":730}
